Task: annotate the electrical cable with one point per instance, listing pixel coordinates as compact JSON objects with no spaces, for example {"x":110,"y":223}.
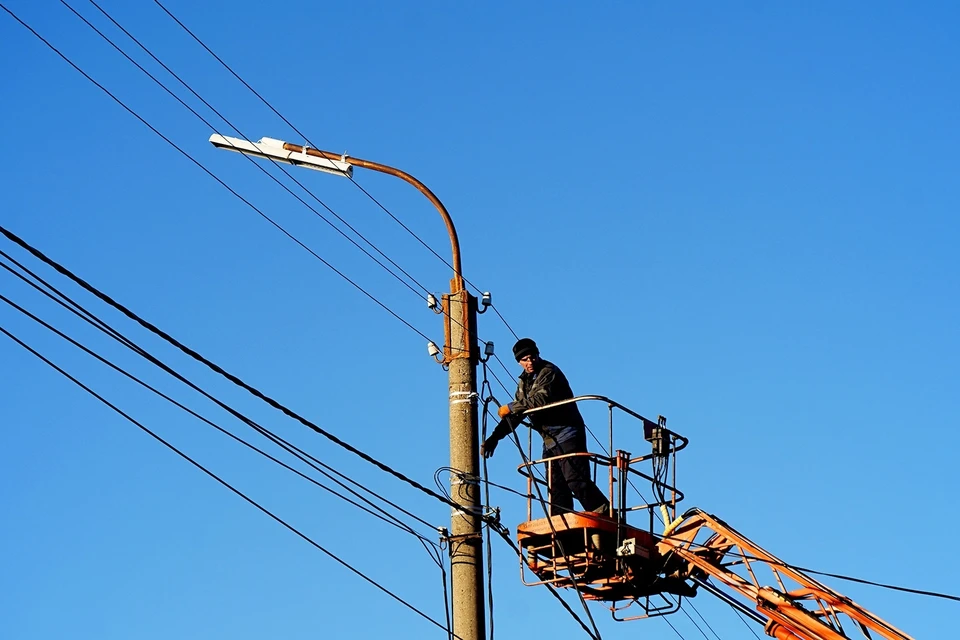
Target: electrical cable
{"x":251,"y":160}
{"x":486,"y":501}
{"x":254,"y":162}
{"x":553,"y":591}
{"x":882,"y":585}
{"x":214,"y":176}
{"x":702,"y":632}
{"x":664,"y":618}
{"x":309,"y":142}
{"x":744,"y":620}
{"x":239,"y":133}
{"x":505,"y":323}
{"x":305,"y":457}
{"x":219,"y":370}
{"x":220,"y":480}
{"x":388,"y":518}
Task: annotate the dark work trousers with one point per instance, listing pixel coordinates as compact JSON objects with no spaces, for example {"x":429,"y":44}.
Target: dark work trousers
{"x":570,"y":477}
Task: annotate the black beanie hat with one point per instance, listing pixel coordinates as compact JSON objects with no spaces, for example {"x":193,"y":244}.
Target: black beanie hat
{"x":525,"y":347}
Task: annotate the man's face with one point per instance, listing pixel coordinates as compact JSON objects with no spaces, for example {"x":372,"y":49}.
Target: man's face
{"x":528,"y":362}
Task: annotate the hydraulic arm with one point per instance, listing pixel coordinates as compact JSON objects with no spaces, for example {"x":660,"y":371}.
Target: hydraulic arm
{"x":791,"y":604}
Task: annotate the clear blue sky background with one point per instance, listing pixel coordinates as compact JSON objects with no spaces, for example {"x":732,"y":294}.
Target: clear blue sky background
{"x":739,"y":215}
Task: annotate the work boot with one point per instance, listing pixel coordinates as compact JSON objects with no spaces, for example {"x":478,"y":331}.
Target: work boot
{"x":603,"y":509}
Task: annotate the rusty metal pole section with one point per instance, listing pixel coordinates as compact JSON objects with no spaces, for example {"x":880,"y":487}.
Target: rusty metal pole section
{"x":466,"y":548}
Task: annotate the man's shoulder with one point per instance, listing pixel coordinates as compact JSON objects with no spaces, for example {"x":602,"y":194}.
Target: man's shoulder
{"x":550,"y":369}
{"x":546,"y":364}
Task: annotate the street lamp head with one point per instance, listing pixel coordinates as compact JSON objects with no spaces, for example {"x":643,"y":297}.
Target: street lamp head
{"x":274,"y":149}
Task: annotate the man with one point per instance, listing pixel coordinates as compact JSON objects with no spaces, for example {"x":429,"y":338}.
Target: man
{"x":562,"y":428}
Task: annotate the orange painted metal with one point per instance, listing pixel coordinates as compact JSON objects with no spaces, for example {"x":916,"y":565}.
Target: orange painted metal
{"x":578,"y":549}
{"x":456,"y":285}
{"x":809,"y":611}
{"x":608,"y":560}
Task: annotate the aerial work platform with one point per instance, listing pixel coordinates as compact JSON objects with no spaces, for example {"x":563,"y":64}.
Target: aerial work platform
{"x":651,"y":567}
{"x":593,"y":552}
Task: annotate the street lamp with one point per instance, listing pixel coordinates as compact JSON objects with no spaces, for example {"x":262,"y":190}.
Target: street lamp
{"x":460,"y":354}
{"x":273,"y":149}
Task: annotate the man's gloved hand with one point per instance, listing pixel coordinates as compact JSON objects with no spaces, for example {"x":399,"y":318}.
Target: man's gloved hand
{"x":486,"y":449}
{"x":504,"y":411}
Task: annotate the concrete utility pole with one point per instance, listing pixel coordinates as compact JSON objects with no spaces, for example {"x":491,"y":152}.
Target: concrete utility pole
{"x":460,"y":354}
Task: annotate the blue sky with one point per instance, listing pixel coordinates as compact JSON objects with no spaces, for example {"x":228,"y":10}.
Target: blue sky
{"x":740,"y":216}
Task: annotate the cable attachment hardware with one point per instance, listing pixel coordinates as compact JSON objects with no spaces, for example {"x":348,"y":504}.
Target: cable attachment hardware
{"x":464,"y":397}
{"x":433,"y":304}
{"x":485,"y":301}
{"x":492,"y":516}
{"x":461,"y":478}
{"x":433,"y":350}
{"x":487,"y":351}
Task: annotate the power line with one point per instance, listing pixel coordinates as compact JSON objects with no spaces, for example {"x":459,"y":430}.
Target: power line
{"x":251,"y":160}
{"x":382,"y":515}
{"x":702,"y":632}
{"x":664,"y":618}
{"x":239,"y":133}
{"x":744,"y":621}
{"x":219,"y":370}
{"x":254,"y":162}
{"x":838,"y":576}
{"x":74,"y":307}
{"x":222,"y":481}
{"x":259,"y":167}
{"x":553,"y":591}
{"x":215,"y":177}
{"x":308,"y":141}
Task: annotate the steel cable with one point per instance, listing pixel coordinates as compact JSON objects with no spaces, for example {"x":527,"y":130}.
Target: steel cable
{"x":223,"y":482}
{"x":318,"y":465}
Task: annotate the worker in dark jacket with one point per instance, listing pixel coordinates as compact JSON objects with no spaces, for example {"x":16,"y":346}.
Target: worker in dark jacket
{"x":562,"y":428}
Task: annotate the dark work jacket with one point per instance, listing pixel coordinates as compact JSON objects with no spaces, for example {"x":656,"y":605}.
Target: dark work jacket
{"x":544,"y":386}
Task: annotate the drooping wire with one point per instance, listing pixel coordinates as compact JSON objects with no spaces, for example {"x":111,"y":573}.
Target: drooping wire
{"x":702,"y":632}
{"x":254,"y":162}
{"x":74,"y":307}
{"x":214,"y":176}
{"x":257,"y":165}
{"x":220,"y":480}
{"x":309,"y":142}
{"x":389,"y":520}
{"x":446,"y":591}
{"x":505,"y":536}
{"x":239,"y":133}
{"x":670,"y":624}
{"x":377,"y":511}
{"x":484,"y":393}
{"x":386,"y":517}
{"x":743,"y":620}
{"x":838,"y":576}
{"x":219,"y":370}
{"x":505,"y":323}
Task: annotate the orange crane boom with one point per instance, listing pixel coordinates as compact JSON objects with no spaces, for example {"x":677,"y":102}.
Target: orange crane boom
{"x":608,"y":560}
{"x":797,"y":607}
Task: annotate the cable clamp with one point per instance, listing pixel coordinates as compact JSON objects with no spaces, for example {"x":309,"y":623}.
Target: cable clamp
{"x":464,"y":479}
{"x":471,"y":398}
